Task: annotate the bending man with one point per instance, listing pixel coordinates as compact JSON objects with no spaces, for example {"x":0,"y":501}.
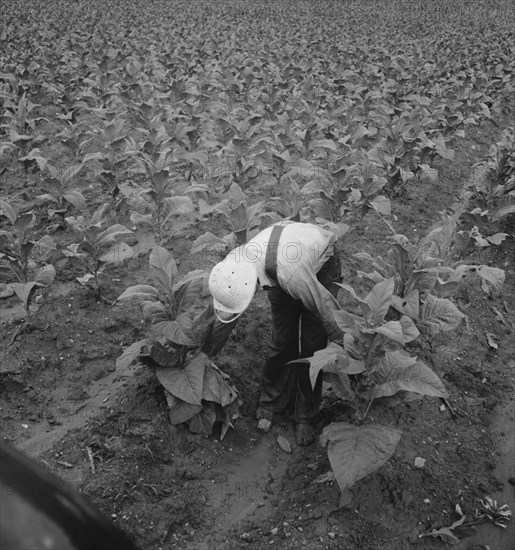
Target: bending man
{"x":297,"y":264}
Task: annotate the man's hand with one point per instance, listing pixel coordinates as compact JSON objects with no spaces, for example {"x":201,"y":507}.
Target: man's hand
{"x":214,"y":333}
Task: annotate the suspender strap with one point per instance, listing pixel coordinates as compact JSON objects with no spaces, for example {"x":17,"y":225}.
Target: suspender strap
{"x":271,"y":253}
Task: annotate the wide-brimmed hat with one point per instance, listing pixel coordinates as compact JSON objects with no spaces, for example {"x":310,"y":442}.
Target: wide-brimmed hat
{"x":232,"y":284}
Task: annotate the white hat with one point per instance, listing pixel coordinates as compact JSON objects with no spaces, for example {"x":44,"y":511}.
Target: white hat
{"x":232,"y":284}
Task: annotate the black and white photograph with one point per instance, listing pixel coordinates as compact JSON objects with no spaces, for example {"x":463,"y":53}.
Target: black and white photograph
{"x":257,"y":274}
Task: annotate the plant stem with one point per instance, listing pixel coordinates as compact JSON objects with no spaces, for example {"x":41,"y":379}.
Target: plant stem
{"x":15,"y":273}
{"x":369,"y":353}
{"x":367,"y":409}
{"x":390,"y":227}
{"x":159,"y":220}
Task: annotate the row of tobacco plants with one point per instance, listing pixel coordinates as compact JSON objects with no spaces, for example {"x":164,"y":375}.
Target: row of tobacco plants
{"x":155,"y":116}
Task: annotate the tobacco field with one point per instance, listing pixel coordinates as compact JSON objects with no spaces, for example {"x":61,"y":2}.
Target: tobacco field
{"x":141,"y":141}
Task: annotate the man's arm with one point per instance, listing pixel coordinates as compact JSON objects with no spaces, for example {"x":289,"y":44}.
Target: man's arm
{"x":316,"y":298}
{"x":215,"y":333}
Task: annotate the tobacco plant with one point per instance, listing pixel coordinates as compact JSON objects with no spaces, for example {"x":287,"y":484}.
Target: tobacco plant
{"x":197,"y":392}
{"x":244,"y":220}
{"x":60,"y":190}
{"x":105,"y":146}
{"x":490,"y":197}
{"x":18,"y":251}
{"x":21,"y":124}
{"x":156,"y":205}
{"x":100,"y":244}
{"x":352,"y":189}
{"x":409,"y":299}
{"x":370,"y":364}
{"x":429,"y":272}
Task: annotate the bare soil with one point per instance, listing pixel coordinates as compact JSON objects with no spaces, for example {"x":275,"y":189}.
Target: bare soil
{"x":60,"y":394}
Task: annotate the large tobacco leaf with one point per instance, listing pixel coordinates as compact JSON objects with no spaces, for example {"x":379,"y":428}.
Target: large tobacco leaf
{"x":357,"y":451}
{"x":199,"y":394}
{"x":163,"y":266}
{"x":438,"y":315}
{"x":185,"y":383}
{"x":398,"y":371}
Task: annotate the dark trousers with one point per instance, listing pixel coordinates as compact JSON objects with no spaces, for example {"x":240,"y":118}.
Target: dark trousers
{"x":296,"y":333}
